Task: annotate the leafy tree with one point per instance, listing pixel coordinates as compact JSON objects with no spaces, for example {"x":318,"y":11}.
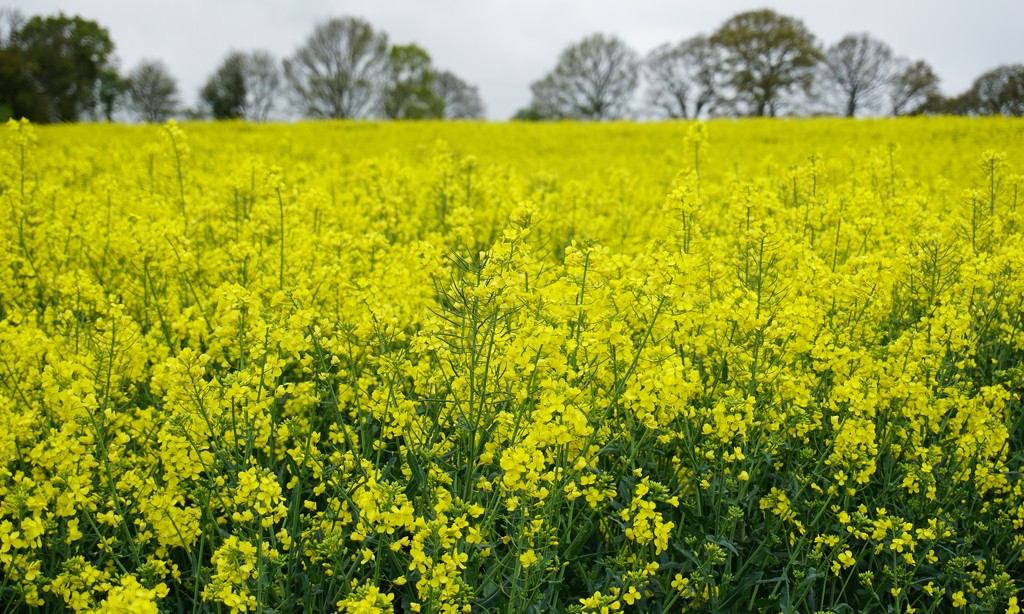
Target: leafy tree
{"x":341,"y":69}
{"x":459,"y":100}
{"x":912,"y":85}
{"x":682,"y":79}
{"x":594,"y":79}
{"x":766,"y":56}
{"x":18,"y":94}
{"x":415,"y":90}
{"x":529,"y":114}
{"x":410,"y":92}
{"x":244,"y":86}
{"x":938,"y":104}
{"x":110,"y":90}
{"x":152,"y":92}
{"x":856,"y":70}
{"x":999,"y":91}
{"x":225,"y":91}
{"x":68,"y":61}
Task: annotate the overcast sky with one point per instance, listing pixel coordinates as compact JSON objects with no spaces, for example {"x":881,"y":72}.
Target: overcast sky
{"x":503,"y":45}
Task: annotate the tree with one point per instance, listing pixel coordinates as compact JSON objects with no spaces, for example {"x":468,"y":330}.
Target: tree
{"x":856,"y":71}
{"x":341,"y":70}
{"x":410,"y":93}
{"x":67,"y":60}
{"x":938,"y":104}
{"x":18,"y":95}
{"x":152,"y":92}
{"x":11,"y":20}
{"x":459,"y":100}
{"x":999,"y":91}
{"x":766,"y":56}
{"x":594,"y":79}
{"x":262,"y":84}
{"x":110,"y":89}
{"x":682,"y":79}
{"x":912,"y":85}
{"x":225,"y":91}
{"x":530,"y":114}
{"x":244,"y":86}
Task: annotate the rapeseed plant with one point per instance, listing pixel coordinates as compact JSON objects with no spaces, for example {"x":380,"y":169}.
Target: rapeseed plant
{"x":736,"y":366}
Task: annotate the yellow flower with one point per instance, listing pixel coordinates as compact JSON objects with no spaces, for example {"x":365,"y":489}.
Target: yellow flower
{"x":958,"y":599}
{"x":528,"y":559}
{"x":846,"y":558}
{"x":631,"y":595}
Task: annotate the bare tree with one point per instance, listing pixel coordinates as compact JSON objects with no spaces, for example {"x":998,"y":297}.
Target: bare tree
{"x":682,"y":79}
{"x":152,"y":92}
{"x":11,"y":20}
{"x":856,"y":71}
{"x":341,"y":70}
{"x":594,"y":79}
{"x":912,"y":85}
{"x":262,"y":85}
{"x":459,"y":99}
{"x":766,"y":56}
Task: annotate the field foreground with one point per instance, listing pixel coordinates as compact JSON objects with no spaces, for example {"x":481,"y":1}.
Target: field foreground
{"x":741,"y":366}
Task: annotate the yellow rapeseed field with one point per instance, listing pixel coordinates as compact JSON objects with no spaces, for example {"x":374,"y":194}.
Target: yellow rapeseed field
{"x":455,"y":367}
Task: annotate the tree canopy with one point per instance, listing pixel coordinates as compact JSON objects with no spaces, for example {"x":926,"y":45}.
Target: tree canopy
{"x":341,"y":70}
{"x":682,"y":79}
{"x":60,"y":69}
{"x":765,"y":56}
{"x":152,"y":92}
{"x":856,"y":70}
{"x":999,"y":91}
{"x":224,"y":92}
{"x":594,"y":79}
{"x":409,"y":92}
{"x":913,"y":84}
{"x":459,"y":100}
{"x":244,"y":86}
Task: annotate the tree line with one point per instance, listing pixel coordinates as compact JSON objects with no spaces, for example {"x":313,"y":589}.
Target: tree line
{"x":759,"y":63}
{"x":756,"y":63}
{"x":63,"y":69}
